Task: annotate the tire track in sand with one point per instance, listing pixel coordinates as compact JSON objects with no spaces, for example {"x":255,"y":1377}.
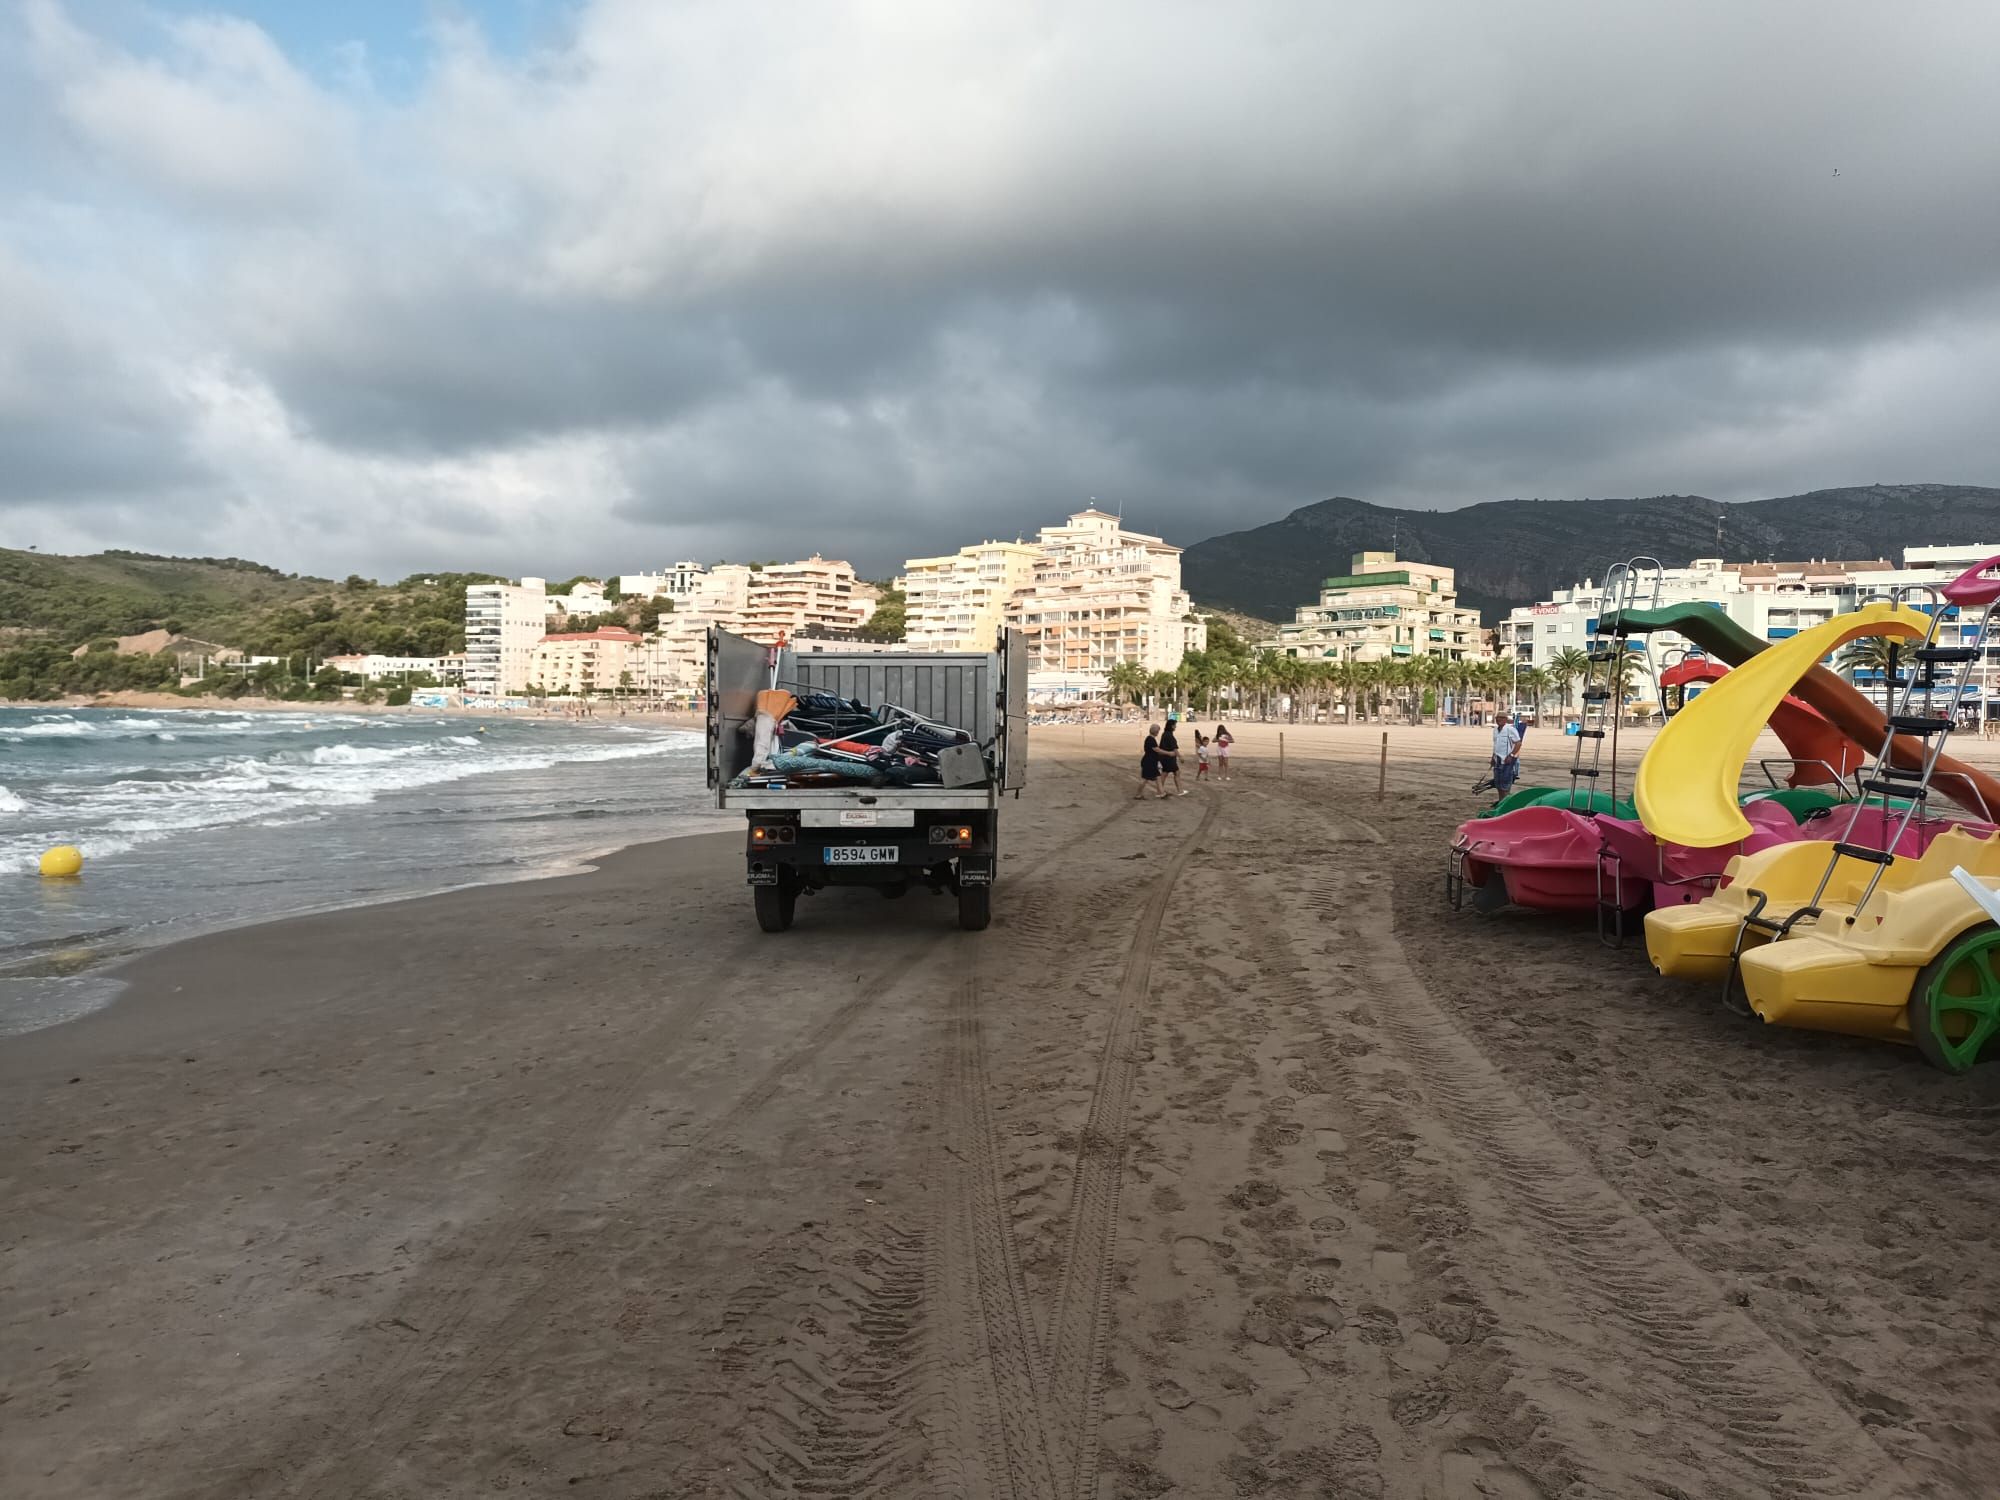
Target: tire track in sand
{"x":987,"y":1383}
{"x":847,"y":1398}
{"x":459,"y":1343}
{"x":836,"y":1414}
{"x":991,"y":1387}
{"x":1075,"y":1354}
{"x":1743,"y":1398}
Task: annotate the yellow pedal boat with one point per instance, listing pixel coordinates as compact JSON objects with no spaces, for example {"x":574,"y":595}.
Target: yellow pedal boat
{"x":1695,"y":942}
{"x":1921,"y":965}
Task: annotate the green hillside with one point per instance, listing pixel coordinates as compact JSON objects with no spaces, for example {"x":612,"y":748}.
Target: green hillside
{"x":49,"y":605}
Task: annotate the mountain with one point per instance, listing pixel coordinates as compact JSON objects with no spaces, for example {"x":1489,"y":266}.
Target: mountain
{"x":1510,"y":552}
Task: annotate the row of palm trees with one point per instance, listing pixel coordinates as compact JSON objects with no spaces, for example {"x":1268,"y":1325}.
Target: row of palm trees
{"x":1264,"y":684}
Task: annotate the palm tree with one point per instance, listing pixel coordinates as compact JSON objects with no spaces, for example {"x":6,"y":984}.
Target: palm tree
{"x":1872,"y":653}
{"x":1436,"y":672}
{"x":1565,"y":667}
{"x":1406,"y":677}
{"x":1126,"y":680}
{"x":1258,"y":678}
{"x":1535,"y":683}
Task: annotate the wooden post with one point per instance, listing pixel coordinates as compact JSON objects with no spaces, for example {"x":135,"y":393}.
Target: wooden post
{"x":1281,"y":755}
{"x":1382,"y":775}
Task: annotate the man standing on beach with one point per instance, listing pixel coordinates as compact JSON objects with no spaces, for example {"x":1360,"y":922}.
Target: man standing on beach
{"x":1506,"y":755}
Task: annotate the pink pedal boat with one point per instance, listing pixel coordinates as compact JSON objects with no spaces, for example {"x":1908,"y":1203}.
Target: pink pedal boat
{"x":1548,"y":858}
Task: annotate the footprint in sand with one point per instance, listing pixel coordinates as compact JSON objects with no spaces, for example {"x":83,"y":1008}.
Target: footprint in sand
{"x":1378,"y":1326}
{"x":1195,"y":1256}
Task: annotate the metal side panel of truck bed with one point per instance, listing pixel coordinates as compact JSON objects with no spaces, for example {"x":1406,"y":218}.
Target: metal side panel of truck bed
{"x":983,"y":693}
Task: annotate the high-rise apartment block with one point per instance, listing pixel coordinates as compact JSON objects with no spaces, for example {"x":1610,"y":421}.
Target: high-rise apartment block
{"x":503,"y":623}
{"x":1086,"y":595}
{"x":1102,"y":595}
{"x":960,"y":602}
{"x":817,"y":596}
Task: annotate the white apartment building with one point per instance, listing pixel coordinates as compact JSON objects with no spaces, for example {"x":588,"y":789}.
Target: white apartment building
{"x":585,"y":597}
{"x":1385,"y":608}
{"x":718,"y":596}
{"x":677,"y":583}
{"x":574,"y":663}
{"x":374,"y":667}
{"x":817,"y":595}
{"x":1771,"y":600}
{"x":503,"y":624}
{"x":1101,"y":595}
{"x":960,"y":602}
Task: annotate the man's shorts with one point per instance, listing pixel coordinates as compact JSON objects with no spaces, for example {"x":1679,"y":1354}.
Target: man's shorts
{"x":1504,"y":772}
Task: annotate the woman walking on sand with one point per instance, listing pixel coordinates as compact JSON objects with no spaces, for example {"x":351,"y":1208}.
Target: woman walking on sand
{"x":1170,"y":758}
{"x":1223,"y":740}
{"x":1149,"y":765}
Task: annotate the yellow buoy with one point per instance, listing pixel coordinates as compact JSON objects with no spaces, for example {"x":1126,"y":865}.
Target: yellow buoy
{"x":63,"y":862}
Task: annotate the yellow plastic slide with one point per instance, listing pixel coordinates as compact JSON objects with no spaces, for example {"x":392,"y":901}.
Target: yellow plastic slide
{"x":1686,"y":790}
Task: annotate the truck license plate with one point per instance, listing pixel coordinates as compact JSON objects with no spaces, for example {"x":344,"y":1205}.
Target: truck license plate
{"x":861,"y":854}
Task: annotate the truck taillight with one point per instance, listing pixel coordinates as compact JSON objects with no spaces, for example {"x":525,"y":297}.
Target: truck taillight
{"x":773,"y":833}
{"x":958,"y":836}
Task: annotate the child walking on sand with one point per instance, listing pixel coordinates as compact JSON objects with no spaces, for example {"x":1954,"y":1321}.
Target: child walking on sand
{"x":1200,"y":756}
{"x":1223,"y":740}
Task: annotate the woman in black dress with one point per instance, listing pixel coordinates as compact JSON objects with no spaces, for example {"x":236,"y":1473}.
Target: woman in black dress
{"x":1170,"y":759}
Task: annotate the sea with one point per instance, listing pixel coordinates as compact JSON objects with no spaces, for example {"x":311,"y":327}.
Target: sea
{"x":192,"y":820}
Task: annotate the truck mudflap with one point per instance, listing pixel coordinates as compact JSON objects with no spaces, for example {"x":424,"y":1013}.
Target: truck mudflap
{"x":975,"y":870}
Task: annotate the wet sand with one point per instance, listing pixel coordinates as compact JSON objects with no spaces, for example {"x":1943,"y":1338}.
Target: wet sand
{"x":1228,"y":1162}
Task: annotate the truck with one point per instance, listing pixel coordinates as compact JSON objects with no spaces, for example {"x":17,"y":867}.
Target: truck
{"x":800,"y":840}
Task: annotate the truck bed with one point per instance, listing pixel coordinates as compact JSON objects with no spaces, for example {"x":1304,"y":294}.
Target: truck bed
{"x":982,"y":693}
{"x":941,"y":798}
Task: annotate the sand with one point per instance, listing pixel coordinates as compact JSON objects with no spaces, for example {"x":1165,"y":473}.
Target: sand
{"x":1228,"y":1162}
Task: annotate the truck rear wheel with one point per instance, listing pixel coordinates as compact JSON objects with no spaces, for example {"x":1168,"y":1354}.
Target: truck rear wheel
{"x":776,"y":905}
{"x":975,"y":907}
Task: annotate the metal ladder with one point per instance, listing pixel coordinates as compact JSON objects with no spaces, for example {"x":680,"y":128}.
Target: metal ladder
{"x":1885,"y":779}
{"x":1889,"y":781}
{"x":1622,"y":583}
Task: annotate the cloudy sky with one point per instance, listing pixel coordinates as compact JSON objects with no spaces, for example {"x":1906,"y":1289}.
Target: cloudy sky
{"x":535,"y":286}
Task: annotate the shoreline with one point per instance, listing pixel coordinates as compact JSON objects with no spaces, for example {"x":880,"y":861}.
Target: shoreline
{"x":175,"y":703}
{"x":126,"y":977}
{"x":90,"y":974}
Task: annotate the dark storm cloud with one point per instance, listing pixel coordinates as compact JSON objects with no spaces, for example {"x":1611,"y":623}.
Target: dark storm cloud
{"x":710,"y":281}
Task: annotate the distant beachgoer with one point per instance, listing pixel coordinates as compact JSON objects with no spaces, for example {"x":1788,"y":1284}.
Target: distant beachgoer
{"x":1223,"y":740}
{"x":1170,"y":756}
{"x":1149,"y":764}
{"x":1506,"y":755}
{"x":1200,"y":756}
